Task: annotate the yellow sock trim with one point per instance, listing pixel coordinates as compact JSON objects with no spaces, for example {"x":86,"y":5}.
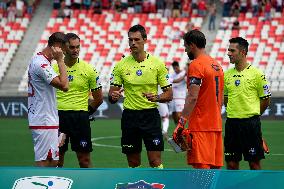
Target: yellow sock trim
{"x":161,"y":166}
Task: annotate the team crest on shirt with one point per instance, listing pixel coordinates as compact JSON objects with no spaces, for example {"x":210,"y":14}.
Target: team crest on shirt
{"x":139,"y":72}
{"x":70,"y":77}
{"x":237,"y":82}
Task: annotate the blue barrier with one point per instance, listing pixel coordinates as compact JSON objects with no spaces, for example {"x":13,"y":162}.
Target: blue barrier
{"x":61,"y":178}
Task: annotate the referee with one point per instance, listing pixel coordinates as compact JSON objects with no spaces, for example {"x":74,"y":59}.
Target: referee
{"x":139,"y":75}
{"x":73,"y":109}
{"x":246,"y":97}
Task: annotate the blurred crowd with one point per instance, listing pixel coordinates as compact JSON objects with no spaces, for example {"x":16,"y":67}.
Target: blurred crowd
{"x":12,"y":9}
{"x":257,"y":7}
{"x":168,"y":8}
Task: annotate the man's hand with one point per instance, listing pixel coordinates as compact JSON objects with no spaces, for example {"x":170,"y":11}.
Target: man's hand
{"x":61,"y":139}
{"x":116,"y":95}
{"x":182,"y":136}
{"x":57,"y":53}
{"x":265,"y":146}
{"x":92,"y":117}
{"x":152,"y":97}
{"x":179,"y":128}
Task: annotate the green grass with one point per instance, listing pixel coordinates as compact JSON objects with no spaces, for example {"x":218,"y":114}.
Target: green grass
{"x":17,"y":148}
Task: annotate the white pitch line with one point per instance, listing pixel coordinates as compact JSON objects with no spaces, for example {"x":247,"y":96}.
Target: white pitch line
{"x":114,"y":146}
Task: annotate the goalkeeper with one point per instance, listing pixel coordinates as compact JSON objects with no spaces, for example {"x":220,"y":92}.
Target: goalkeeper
{"x":202,"y":110}
{"x":73,"y":109}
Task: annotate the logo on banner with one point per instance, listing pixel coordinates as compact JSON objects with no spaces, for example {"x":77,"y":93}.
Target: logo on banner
{"x":43,"y":182}
{"x":139,"y":184}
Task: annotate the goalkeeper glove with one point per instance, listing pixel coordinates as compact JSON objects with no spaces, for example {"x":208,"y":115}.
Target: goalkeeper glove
{"x":179,"y":128}
{"x":182,"y":136}
{"x":186,"y":142}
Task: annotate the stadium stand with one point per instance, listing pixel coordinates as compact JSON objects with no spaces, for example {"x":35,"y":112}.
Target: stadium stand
{"x":15,"y":17}
{"x":104,"y":37}
{"x":266,"y":49}
{"x":11,"y":34}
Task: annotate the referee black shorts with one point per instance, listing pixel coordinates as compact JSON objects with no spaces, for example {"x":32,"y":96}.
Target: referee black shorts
{"x":76,"y":125}
{"x":138,"y":125}
{"x":243,"y":137}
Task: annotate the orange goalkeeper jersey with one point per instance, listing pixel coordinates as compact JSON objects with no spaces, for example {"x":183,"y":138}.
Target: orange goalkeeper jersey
{"x":206,"y":115}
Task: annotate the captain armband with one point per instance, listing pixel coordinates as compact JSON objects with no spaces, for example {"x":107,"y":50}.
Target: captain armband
{"x":195,"y":81}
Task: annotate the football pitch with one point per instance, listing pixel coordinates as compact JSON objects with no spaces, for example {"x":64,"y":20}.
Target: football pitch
{"x":17,"y":148}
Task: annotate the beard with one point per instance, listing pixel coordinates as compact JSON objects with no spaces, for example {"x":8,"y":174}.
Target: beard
{"x":190,"y":56}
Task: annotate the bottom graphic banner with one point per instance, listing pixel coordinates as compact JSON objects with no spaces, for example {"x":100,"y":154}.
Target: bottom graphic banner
{"x":61,"y":178}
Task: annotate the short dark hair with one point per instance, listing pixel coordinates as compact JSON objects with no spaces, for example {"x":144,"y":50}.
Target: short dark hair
{"x":196,"y":37}
{"x":139,"y":28}
{"x":175,"y":63}
{"x":69,"y":36}
{"x":242,"y":43}
{"x":56,"y":37}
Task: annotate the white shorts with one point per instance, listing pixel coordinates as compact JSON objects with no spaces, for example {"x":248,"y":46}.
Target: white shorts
{"x":177,"y":104}
{"x":163,"y":109}
{"x":45,"y":144}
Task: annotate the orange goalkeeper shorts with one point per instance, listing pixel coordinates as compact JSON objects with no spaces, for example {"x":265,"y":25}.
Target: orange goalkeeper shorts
{"x":207,"y":148}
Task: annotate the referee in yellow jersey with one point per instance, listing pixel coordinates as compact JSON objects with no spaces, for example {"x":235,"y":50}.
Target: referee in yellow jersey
{"x":139,"y":75}
{"x":246,"y":97}
{"x":73,"y":108}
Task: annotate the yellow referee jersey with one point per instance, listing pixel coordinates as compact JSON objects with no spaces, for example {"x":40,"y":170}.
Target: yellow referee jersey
{"x":138,"y":78}
{"x":244,"y":90}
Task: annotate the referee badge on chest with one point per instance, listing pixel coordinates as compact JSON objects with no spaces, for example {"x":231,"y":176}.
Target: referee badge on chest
{"x":237,"y":82}
{"x":70,"y":77}
{"x":139,"y":72}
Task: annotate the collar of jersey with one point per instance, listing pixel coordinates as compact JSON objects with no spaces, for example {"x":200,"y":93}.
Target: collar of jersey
{"x":147,"y":56}
{"x":40,"y":53}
